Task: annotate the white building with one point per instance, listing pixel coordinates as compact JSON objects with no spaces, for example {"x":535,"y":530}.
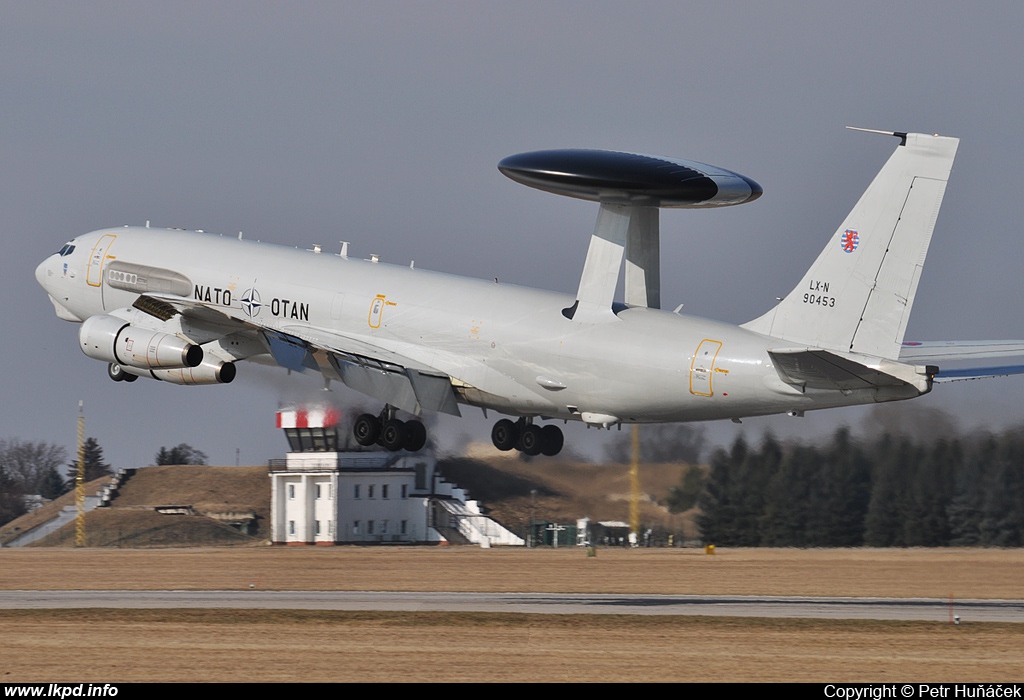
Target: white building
{"x":324,"y":497}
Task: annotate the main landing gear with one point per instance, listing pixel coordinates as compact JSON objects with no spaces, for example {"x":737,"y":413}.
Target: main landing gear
{"x":526,"y":437}
{"x":389,"y":432}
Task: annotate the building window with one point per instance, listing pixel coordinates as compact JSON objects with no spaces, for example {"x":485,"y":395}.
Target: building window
{"x":291,"y":527}
{"x":405,"y":490}
{"x":383,"y":527}
{"x":355,"y":492}
{"x":369,"y":491}
{"x":384,"y":491}
{"x":355,"y":528}
{"x":318,"y":492}
{"x":405,"y":527}
{"x":369,"y":527}
{"x":291,"y":492}
{"x":318,"y":527}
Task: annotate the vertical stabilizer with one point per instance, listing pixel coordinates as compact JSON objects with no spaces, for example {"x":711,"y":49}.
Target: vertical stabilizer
{"x":857,"y":295}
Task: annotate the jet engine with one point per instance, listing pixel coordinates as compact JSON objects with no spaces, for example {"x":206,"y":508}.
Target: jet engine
{"x":209,"y":371}
{"x":112,"y":339}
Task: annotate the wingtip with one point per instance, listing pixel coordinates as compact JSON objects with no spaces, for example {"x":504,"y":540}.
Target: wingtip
{"x":901,"y":135}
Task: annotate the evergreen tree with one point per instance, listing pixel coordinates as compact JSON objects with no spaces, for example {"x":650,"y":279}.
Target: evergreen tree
{"x":843,"y":491}
{"x":718,"y":503}
{"x":930,"y":492}
{"x":182,"y":454}
{"x":52,"y":485}
{"x":1002,"y":522}
{"x":95,"y":467}
{"x":964,"y":512}
{"x":894,"y":458}
{"x":685,"y":496}
{"x":784,"y":520}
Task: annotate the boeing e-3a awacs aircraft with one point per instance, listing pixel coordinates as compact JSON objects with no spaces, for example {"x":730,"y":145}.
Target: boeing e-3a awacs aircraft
{"x":184,"y":306}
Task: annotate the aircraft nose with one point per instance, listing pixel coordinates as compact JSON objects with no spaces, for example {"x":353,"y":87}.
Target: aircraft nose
{"x":41,"y":273}
{"x":44,"y":271}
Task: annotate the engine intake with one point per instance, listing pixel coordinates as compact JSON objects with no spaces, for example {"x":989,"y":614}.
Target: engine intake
{"x":112,"y":339}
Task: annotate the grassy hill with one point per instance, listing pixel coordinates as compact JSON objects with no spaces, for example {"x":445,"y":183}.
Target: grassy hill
{"x":568,"y":490}
{"x":47,"y":512}
{"x":510,"y":489}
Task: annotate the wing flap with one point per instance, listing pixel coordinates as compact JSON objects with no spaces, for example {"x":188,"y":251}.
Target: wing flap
{"x":398,"y":381}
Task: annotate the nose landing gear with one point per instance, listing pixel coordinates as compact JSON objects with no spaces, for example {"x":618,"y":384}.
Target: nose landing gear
{"x":389,"y":432}
{"x":526,"y":437}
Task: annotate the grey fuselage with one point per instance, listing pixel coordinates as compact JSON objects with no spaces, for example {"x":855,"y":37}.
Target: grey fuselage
{"x":504,"y":347}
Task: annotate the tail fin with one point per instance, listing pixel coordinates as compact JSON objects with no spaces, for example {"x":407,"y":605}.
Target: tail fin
{"x":857,"y":295}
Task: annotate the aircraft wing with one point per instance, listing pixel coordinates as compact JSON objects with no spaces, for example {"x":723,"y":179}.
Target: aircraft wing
{"x":949,"y":353}
{"x":364,"y":365}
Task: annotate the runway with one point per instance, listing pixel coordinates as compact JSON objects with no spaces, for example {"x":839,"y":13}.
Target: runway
{"x":929,"y":609}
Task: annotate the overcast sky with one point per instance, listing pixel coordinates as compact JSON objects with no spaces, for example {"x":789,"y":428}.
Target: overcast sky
{"x":381,"y":124}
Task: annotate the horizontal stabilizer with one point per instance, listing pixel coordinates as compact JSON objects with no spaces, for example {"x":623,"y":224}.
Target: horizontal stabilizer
{"x":814,"y":368}
{"x":821,"y":369}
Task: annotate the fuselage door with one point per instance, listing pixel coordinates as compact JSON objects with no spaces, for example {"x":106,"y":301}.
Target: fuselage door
{"x":94,"y":276}
{"x":703,"y":366}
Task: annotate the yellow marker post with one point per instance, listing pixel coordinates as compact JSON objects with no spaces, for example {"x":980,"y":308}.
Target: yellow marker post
{"x":634,"y":485}
{"x":80,"y":481}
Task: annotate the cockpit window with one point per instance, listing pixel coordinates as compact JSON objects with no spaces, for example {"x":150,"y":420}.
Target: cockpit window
{"x":68,"y":249}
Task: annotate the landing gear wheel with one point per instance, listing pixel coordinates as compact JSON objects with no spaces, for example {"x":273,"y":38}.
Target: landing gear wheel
{"x":415,"y":436}
{"x":366,"y":429}
{"x":117,"y":373}
{"x":530,"y":440}
{"x":505,"y":435}
{"x":551,"y":440}
{"x":393,"y":435}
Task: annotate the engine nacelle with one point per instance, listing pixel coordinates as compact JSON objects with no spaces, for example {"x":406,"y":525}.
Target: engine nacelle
{"x":112,"y":339}
{"x":209,"y":371}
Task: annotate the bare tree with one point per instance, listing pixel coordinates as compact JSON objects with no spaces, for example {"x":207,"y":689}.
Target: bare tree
{"x":32,"y":465}
{"x":668,"y":442}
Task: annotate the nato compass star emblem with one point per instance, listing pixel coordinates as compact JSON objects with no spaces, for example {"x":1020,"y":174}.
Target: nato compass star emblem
{"x":251,"y":303}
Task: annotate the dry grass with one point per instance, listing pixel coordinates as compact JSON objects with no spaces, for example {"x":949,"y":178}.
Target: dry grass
{"x":103,"y":646}
{"x":933,"y":573}
{"x":247,"y":486}
{"x":122,"y":527}
{"x":280,"y":645}
{"x":47,"y":512}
